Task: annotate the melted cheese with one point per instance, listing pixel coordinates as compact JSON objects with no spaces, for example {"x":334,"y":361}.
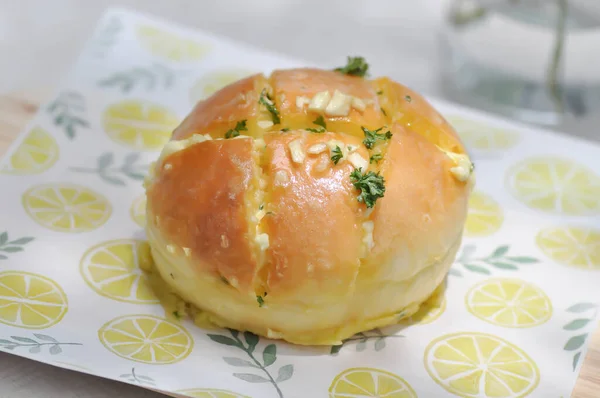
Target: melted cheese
{"x":339,"y":104}
{"x":297,"y":151}
{"x":317,"y":148}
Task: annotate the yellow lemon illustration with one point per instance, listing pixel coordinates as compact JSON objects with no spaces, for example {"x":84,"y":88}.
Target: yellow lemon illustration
{"x":66,"y":207}
{"x":369,"y":382}
{"x":212,"y":82}
{"x":480,"y":365}
{"x":36,"y":153}
{"x":573,"y":246}
{"x":114,"y":270}
{"x":428,"y":312}
{"x":138,"y":211}
{"x":139,"y":124}
{"x":511,"y":303}
{"x":30,"y":301}
{"x":555,"y":185}
{"x":147,"y":339}
{"x":210,"y":393}
{"x":480,"y":136}
{"x":484,"y":217}
{"x":170,"y":46}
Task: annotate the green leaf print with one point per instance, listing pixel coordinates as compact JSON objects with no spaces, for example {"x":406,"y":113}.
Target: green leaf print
{"x":137,"y":378}
{"x":108,"y":171}
{"x":106,"y":37}
{"x":11,"y":246}
{"x":68,"y":111}
{"x":575,"y":343}
{"x":363,"y":338}
{"x":34,"y":346}
{"x":248,"y":346}
{"x":498,"y":259}
{"x":149,"y":78}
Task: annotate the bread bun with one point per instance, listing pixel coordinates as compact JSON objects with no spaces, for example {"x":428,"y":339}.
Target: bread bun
{"x":264,"y":232}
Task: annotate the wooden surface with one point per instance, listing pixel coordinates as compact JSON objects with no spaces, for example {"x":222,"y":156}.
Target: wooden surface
{"x":17,"y":109}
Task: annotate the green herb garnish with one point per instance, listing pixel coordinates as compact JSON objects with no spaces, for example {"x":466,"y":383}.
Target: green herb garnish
{"x":408,"y":98}
{"x":320,"y":121}
{"x":285,"y":129}
{"x":176,"y":314}
{"x":379,"y":92}
{"x":224,"y":280}
{"x":383,"y":111}
{"x":260,"y":301}
{"x":375,"y":158}
{"x":239,"y":126}
{"x":337,"y":154}
{"x":317,"y":130}
{"x":356,"y":66}
{"x":371,"y":137}
{"x":268,"y":103}
{"x":370,"y":185}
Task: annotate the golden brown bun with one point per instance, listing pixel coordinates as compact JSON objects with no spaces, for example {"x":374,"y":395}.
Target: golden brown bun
{"x":231,"y":220}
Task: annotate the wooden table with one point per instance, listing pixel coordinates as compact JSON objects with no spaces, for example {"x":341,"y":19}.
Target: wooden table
{"x":17,"y":109}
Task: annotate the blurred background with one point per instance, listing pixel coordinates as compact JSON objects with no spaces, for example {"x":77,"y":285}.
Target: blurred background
{"x":535,"y":61}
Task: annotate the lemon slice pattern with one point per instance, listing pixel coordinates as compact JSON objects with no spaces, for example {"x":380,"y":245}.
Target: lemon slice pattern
{"x":36,"y":154}
{"x":138,"y":211}
{"x":479,"y":136}
{"x":139,"y":124}
{"x":210,"y":393}
{"x":66,"y":207}
{"x":30,"y":301}
{"x":170,"y":46}
{"x":212,"y":82}
{"x":511,"y":303}
{"x":369,"y":382}
{"x":114,"y":269}
{"x":573,"y":246}
{"x":480,"y":365}
{"x":147,"y":339}
{"x":555,"y":185}
{"x":484,"y":216}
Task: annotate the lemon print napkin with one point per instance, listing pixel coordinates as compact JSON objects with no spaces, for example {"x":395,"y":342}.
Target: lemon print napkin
{"x":522,"y":298}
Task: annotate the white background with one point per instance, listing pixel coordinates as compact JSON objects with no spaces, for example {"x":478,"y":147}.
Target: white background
{"x":39,"y":39}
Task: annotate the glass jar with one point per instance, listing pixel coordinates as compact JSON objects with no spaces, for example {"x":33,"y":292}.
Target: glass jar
{"x":534,"y":60}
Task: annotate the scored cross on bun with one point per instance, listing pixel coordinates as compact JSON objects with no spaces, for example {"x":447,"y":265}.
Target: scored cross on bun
{"x":309,"y":205}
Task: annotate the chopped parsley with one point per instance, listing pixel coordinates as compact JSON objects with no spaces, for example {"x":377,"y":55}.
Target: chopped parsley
{"x":239,"y":126}
{"x":320,"y":121}
{"x":285,"y":129}
{"x":371,"y":137}
{"x":371,"y":186}
{"x":268,"y":103}
{"x":172,"y":277}
{"x":383,"y":111}
{"x":317,"y":130}
{"x":356,"y":66}
{"x":224,"y":280}
{"x":337,"y":154}
{"x":408,"y":98}
{"x":379,"y":92}
{"x":375,"y":158}
{"x":176,"y":314}
{"x":260,"y":301}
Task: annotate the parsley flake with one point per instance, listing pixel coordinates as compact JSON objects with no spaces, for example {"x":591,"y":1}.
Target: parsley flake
{"x":268,"y":103}
{"x":176,"y":314}
{"x":375,"y":158}
{"x":379,"y":92}
{"x":356,"y":66}
{"x":260,"y":301}
{"x":224,"y":280}
{"x":371,"y":137}
{"x":320,"y":121}
{"x":285,"y":129}
{"x":383,"y":111}
{"x":371,"y":186}
{"x":239,"y":126}
{"x":408,"y":98}
{"x":337,"y":154}
{"x":317,"y":130}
